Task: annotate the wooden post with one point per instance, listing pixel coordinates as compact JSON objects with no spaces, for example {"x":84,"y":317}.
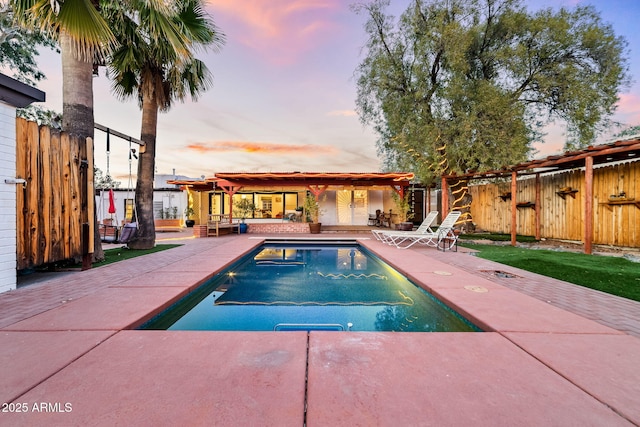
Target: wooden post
{"x":86,"y":256}
{"x":317,"y":190}
{"x":588,"y":204}
{"x":230,"y":190}
{"x":514,"y":209}
{"x":537,"y":206}
{"x":445,"y":198}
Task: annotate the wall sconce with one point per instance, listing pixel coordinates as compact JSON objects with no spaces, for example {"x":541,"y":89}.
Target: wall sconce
{"x":15,"y":181}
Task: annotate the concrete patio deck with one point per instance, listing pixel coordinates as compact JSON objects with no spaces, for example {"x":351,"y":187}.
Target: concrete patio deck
{"x":68,"y":355}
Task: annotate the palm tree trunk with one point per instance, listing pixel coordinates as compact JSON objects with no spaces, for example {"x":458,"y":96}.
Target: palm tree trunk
{"x":145,"y":238}
{"x":77,"y":109}
{"x":77,"y":91}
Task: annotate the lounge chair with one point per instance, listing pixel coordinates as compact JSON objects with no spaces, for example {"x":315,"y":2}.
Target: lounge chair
{"x":443,"y":238}
{"x":387,"y":236}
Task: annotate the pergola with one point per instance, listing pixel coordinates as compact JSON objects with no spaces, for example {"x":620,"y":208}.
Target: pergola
{"x":316,"y":182}
{"x":586,"y":158}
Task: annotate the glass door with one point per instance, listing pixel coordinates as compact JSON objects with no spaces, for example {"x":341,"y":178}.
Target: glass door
{"x":351,"y":206}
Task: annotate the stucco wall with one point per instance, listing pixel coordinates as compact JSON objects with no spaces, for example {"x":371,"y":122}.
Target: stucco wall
{"x":7,"y":198}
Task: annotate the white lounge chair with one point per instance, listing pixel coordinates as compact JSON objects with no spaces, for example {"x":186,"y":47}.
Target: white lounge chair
{"x":387,"y":236}
{"x":443,"y":238}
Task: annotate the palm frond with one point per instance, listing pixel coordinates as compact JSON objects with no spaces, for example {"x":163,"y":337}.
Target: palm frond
{"x":79,"y":19}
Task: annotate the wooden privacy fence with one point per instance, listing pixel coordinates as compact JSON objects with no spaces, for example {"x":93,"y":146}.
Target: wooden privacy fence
{"x":616,"y":205}
{"x":55,"y":208}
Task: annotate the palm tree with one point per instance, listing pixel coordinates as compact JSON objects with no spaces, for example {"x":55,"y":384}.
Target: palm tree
{"x":155,"y":63}
{"x":84,"y":37}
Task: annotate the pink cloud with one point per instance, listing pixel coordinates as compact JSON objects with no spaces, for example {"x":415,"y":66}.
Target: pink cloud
{"x":308,"y":150}
{"x":629,"y":108}
{"x":342,"y":113}
{"x":280,"y":30}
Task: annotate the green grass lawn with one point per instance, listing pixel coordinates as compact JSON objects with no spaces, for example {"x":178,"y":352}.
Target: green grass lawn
{"x":613,"y":275}
{"x":119,"y":254}
{"x":496,"y":237}
{"x":110,"y":256}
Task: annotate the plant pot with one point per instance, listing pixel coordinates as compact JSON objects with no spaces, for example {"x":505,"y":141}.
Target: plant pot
{"x":175,"y":223}
{"x":243,"y":227}
{"x":314,"y":227}
{"x":190,"y":223}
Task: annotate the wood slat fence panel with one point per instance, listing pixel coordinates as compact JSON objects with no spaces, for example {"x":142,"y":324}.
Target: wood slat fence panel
{"x":52,"y":206}
{"x":563,"y":218}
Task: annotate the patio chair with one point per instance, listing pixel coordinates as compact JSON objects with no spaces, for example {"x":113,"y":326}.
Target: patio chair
{"x":386,"y":235}
{"x":443,"y":238}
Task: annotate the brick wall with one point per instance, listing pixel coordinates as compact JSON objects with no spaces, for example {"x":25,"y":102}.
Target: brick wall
{"x":199,"y":231}
{"x":262,"y":228}
{"x":7,"y":198}
{"x":278,"y":227}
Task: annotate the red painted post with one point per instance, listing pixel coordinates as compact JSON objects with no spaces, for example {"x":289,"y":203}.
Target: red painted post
{"x":588,"y":204}
{"x":514,"y":209}
{"x":445,"y":198}
{"x":537,"y":206}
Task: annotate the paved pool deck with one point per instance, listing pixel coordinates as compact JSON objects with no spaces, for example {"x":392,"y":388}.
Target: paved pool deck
{"x":552,"y":354}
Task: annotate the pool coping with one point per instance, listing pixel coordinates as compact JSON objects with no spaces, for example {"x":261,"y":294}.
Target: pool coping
{"x":522,"y":357}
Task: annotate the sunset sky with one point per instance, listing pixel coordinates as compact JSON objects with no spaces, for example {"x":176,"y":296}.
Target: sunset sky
{"x":284,"y":92}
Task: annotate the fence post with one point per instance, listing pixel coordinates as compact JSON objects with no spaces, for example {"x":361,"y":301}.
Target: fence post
{"x":514,"y":210}
{"x":588,"y":204}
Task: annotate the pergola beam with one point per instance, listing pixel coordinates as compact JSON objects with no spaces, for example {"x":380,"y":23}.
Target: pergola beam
{"x":317,"y":190}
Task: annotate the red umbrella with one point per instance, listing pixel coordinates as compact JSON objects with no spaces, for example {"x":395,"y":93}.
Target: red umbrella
{"x":112,"y":203}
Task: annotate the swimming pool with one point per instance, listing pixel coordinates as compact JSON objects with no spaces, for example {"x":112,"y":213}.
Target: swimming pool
{"x":285,"y":287}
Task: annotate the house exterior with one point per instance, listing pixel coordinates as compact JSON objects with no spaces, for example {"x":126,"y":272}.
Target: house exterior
{"x":169,"y":200}
{"x":169,"y":204}
{"x":347,"y":199}
{"x":13,"y":94}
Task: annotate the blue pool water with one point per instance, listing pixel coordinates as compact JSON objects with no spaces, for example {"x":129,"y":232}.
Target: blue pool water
{"x":310,"y":287}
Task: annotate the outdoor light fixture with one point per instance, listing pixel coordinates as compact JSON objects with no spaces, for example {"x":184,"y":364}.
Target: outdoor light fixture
{"x":15,"y":181}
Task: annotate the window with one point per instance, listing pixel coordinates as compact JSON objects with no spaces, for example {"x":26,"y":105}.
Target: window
{"x":268,"y":205}
{"x":158,"y":210}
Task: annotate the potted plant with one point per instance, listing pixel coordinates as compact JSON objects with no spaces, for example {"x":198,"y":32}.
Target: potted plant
{"x":312,"y":211}
{"x":243,"y":208}
{"x":404,"y":206}
{"x":189,"y":212}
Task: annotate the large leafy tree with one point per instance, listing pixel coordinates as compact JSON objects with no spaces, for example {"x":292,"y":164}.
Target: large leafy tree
{"x":629,"y":132}
{"x":18,"y":56}
{"x":19,"y":48}
{"x":156,"y":65}
{"x":467,"y":85}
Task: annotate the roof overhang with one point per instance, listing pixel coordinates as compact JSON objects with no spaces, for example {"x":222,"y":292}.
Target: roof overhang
{"x":18,"y":94}
{"x":601,"y":154}
{"x":297,"y":179}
